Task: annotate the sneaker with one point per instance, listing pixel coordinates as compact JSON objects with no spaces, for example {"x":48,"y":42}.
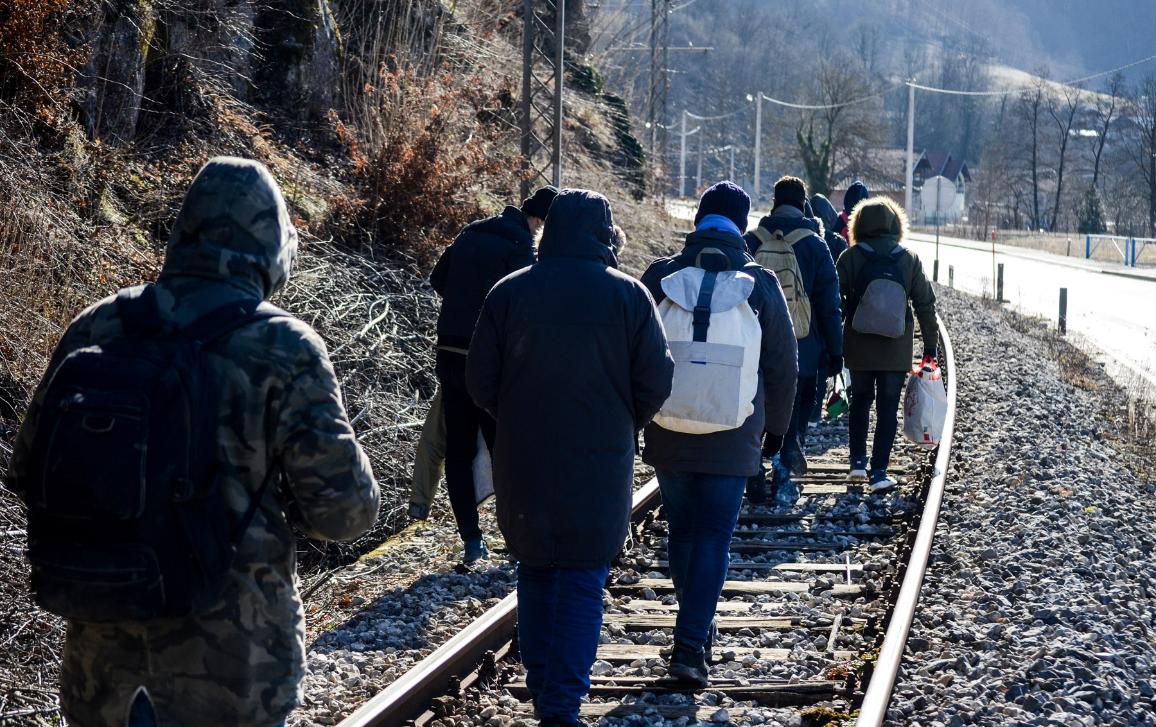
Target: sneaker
{"x":786,"y":492}
{"x":417,"y":511}
{"x":689,"y":665}
{"x":562,"y":722}
{"x":708,"y":647}
{"x":881,"y":481}
{"x":475,"y":550}
{"x":858,"y":469}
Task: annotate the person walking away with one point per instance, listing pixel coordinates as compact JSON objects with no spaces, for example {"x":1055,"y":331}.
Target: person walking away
{"x":881,"y":282}
{"x":855,"y":194}
{"x":735,"y":374}
{"x":485,"y":252}
{"x":428,"y":461}
{"x":239,"y":411}
{"x":829,"y":222}
{"x":788,"y":243}
{"x":570,"y":358}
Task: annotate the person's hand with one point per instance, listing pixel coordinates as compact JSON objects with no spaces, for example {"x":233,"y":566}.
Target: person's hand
{"x":834,"y":365}
{"x":929,"y":355}
{"x":772,"y":443}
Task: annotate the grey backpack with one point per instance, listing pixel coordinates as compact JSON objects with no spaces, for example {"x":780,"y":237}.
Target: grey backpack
{"x":879,"y":306}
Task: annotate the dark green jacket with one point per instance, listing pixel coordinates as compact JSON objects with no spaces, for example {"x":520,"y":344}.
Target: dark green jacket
{"x":866,"y":352}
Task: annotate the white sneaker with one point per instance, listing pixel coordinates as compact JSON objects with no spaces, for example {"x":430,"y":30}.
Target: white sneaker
{"x":858,"y":474}
{"x":884,"y":484}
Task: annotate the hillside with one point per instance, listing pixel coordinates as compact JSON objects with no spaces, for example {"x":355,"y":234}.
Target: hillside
{"x":388,"y":123}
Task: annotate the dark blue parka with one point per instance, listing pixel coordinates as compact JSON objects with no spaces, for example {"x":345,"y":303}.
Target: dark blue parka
{"x":570,"y":357}
{"x":836,"y":243}
{"x":736,"y":452}
{"x":483,"y":253}
{"x":820,"y":282}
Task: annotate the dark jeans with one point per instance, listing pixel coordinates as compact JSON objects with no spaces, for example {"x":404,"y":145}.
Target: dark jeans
{"x":463,"y":421}
{"x":883,"y":388}
{"x":559,"y":624}
{"x":820,"y":399}
{"x":797,"y":429}
{"x":702,"y":511}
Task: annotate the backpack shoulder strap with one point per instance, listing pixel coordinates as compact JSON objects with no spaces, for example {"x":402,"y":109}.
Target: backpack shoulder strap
{"x":701,"y":320}
{"x":229,"y":317}
{"x":138,"y":311}
{"x":763,"y":234}
{"x":791,"y":238}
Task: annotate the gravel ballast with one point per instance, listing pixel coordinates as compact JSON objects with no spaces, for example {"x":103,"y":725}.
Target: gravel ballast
{"x":1039,"y":606}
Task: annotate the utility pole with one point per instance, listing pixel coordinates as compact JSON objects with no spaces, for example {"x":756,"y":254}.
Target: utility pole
{"x":659,"y":85}
{"x":758,"y":141}
{"x":732,"y":177}
{"x":543,"y":45}
{"x":907,"y":191}
{"x":698,"y":172}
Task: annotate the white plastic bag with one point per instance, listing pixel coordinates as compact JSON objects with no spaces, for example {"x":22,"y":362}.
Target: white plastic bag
{"x":483,"y":472}
{"x":925,"y":406}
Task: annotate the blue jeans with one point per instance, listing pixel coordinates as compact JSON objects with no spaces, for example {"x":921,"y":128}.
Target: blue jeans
{"x":797,"y":429}
{"x":702,"y":511}
{"x":559,"y":622}
{"x":883,"y":389}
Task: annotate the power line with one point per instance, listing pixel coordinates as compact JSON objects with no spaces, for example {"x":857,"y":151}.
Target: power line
{"x":823,"y":107}
{"x":1073,"y":82}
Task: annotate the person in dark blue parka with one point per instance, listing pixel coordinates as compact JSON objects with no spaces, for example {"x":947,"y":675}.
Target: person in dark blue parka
{"x":821,"y":351}
{"x":836,"y":243}
{"x":570,"y":358}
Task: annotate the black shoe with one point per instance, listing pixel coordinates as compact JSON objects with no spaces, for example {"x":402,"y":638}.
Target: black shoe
{"x":417,"y":511}
{"x":559,"y":722}
{"x":689,"y":665}
{"x":708,"y":647}
{"x":757,"y":487}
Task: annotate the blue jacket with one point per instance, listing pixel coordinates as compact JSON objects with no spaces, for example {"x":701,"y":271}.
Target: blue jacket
{"x":820,"y":282}
{"x":570,"y":358}
{"x":736,"y":452}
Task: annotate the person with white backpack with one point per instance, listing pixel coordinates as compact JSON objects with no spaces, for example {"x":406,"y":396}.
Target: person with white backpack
{"x":734,"y":386}
{"x":788,"y":243}
{"x":880,"y":282}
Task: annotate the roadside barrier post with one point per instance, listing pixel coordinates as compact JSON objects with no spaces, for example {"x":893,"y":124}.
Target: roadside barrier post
{"x":1063,"y":322}
{"x":935,"y":272}
{"x":999,"y":283}
{"x":1132,"y":256}
{"x":1088,"y":247}
{"x":951,"y":276}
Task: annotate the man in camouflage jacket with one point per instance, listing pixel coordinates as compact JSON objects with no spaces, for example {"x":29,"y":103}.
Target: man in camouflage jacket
{"x":278,"y":404}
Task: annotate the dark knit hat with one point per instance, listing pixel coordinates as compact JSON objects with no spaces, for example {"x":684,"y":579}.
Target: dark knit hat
{"x":855,"y":194}
{"x":538,"y":204}
{"x":792,"y":191}
{"x":727,"y":199}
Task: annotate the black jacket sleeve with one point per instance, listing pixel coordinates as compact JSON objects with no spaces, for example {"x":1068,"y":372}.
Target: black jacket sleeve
{"x":651,"y":365}
{"x":779,"y":358}
{"x":441,"y":272}
{"x":484,"y":363}
{"x":923,"y":302}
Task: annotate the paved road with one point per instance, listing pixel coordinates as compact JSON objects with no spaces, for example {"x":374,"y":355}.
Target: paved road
{"x":1110,"y":306}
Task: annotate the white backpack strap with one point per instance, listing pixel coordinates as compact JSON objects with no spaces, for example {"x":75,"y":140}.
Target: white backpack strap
{"x":796,"y":236}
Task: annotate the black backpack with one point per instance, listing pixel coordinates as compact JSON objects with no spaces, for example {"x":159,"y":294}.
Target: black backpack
{"x":126,"y":518}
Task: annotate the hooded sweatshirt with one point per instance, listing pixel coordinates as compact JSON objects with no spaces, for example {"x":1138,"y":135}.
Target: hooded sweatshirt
{"x":836,"y":243}
{"x":877,"y":229}
{"x":279,"y":404}
{"x":570,"y":358}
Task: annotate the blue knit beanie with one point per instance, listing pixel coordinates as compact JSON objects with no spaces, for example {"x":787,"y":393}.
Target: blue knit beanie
{"x":727,"y":199}
{"x":856,"y":193}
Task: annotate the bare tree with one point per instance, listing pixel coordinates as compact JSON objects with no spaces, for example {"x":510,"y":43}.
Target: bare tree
{"x":839,"y":132}
{"x":1142,"y":146}
{"x":1105,"y":111}
{"x":1062,"y":107}
{"x":1031,"y":103}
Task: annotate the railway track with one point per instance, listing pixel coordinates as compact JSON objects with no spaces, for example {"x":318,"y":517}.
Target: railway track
{"x":812,"y":622}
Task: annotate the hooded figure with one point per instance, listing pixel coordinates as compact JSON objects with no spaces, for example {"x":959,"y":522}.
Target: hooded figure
{"x":570,"y":358}
{"x":855,"y":194}
{"x":278,"y":407}
{"x":826,"y":213}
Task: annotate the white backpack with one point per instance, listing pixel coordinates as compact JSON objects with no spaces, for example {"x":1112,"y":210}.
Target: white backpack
{"x":716,"y":362}
{"x":777,"y":253}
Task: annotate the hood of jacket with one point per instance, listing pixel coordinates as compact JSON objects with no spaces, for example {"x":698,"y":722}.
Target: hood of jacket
{"x":510,"y":224}
{"x":789,"y":219}
{"x":233,"y":228}
{"x":826,"y":211}
{"x":579,"y":225}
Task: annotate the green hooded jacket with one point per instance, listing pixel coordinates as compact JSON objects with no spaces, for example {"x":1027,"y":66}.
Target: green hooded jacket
{"x":878,"y":226}
{"x":279,"y":405}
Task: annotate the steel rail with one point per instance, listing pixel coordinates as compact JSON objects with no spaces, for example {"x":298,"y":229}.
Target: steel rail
{"x":407,"y":697}
{"x":877,"y":698}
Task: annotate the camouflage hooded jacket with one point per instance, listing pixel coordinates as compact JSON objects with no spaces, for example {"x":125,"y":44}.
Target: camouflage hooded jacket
{"x":279,"y":405}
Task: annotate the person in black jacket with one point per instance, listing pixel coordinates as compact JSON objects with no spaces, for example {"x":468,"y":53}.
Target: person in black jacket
{"x":703,"y":476}
{"x":485,"y":252}
{"x":570,"y":358}
{"x":836,"y":243}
